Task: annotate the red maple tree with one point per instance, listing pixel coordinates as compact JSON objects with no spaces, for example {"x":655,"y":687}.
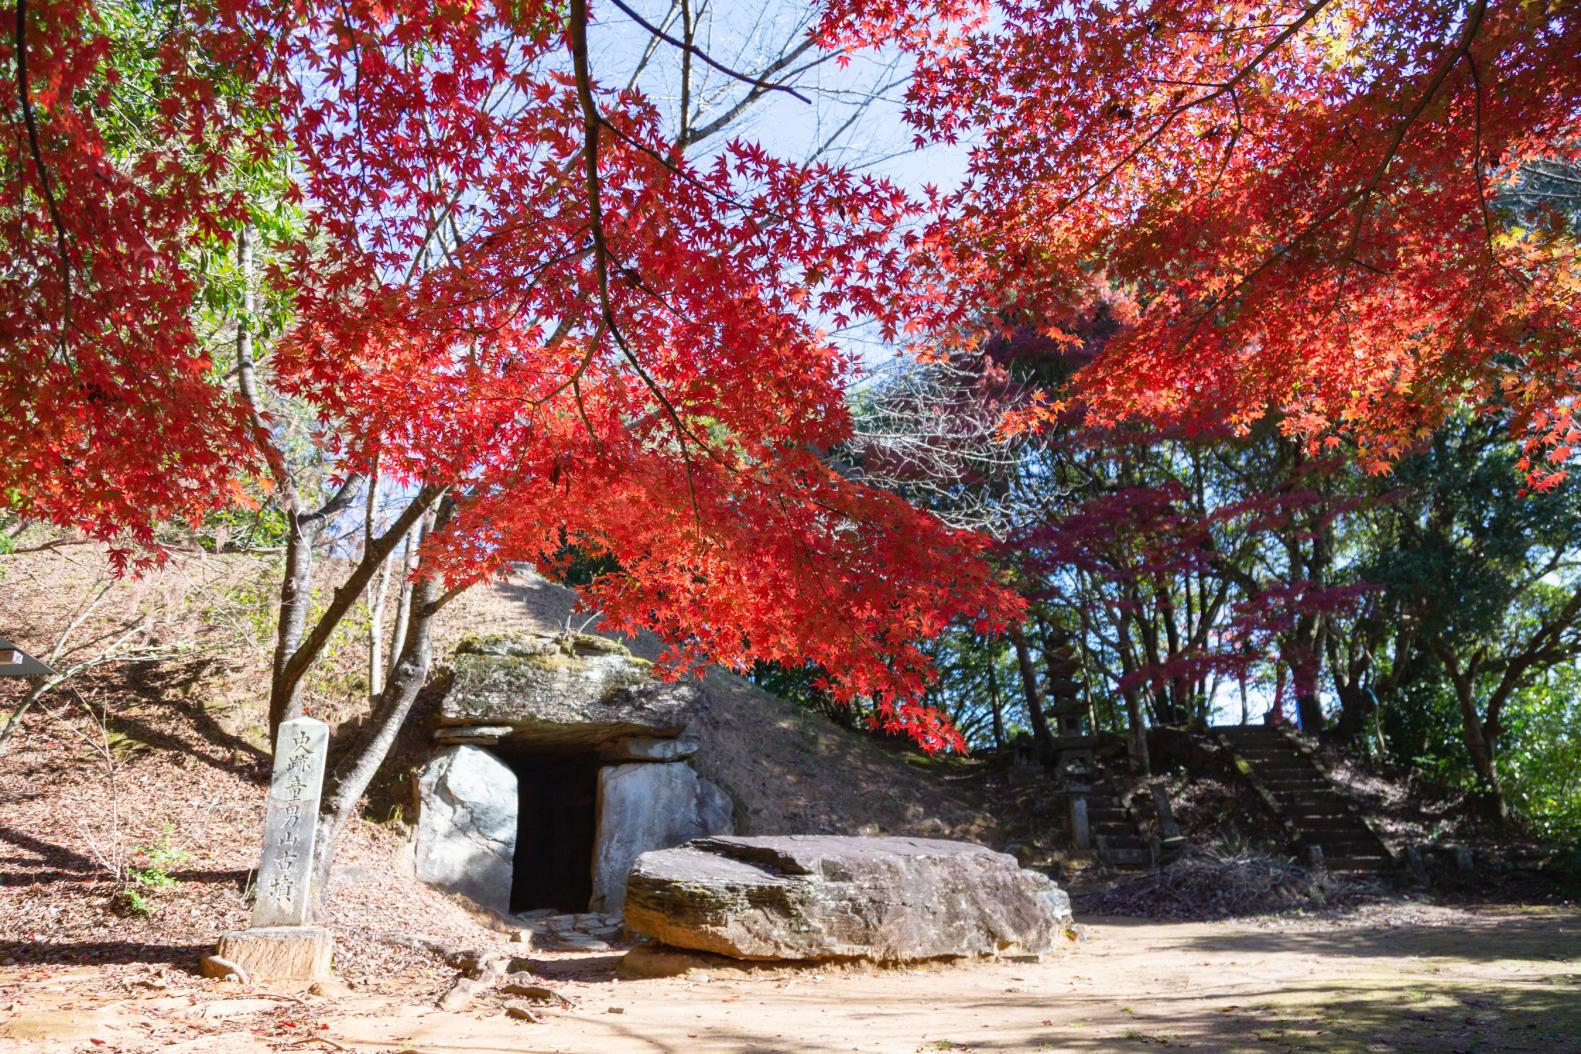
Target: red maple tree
{"x":516,"y":296}
{"x":527,"y":297}
{"x":1303,"y":199}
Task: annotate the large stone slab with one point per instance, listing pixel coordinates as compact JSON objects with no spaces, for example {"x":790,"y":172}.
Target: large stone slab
{"x":466,"y":832}
{"x":831,"y":897}
{"x":562,"y":692}
{"x":646,"y":806}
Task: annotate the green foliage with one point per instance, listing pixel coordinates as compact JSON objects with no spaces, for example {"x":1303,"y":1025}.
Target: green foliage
{"x":1540,"y":764}
{"x":144,"y":882}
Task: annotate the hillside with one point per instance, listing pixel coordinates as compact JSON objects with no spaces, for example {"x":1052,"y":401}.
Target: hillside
{"x":161,"y":765}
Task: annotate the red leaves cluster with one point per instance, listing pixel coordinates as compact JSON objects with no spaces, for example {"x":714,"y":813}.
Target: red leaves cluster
{"x":641,"y":377}
{"x":1302,"y":197}
{"x":1299,"y":200}
{"x":112,"y":419}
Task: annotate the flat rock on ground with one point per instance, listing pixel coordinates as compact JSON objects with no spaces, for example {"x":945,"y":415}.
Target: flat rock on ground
{"x":831,"y":897}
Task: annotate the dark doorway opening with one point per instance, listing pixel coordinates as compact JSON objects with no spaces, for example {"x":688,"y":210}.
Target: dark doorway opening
{"x":558,"y":812}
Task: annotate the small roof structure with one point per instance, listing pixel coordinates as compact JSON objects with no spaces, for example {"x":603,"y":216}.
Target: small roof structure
{"x":14,"y":662}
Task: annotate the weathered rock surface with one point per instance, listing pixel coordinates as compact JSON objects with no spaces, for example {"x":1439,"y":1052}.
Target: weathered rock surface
{"x":645,"y":806}
{"x":650,"y":748}
{"x":577,"y":691}
{"x":466,"y":832}
{"x":480,"y":735}
{"x":830,"y":897}
{"x":272,"y":953}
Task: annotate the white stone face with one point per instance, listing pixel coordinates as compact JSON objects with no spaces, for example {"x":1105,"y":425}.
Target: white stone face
{"x":652,"y":748}
{"x":284,"y":893}
{"x":466,"y":832}
{"x":648,"y":806}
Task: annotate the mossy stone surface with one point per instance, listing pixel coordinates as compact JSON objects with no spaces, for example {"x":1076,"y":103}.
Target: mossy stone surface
{"x":563,"y":691}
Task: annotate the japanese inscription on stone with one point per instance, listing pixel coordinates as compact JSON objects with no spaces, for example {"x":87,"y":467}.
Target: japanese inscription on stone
{"x":283,"y":892}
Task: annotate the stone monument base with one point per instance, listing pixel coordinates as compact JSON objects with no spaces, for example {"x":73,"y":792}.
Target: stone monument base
{"x":273,"y":953}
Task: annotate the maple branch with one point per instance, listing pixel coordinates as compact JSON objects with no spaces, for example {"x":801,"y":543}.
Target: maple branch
{"x":1357,"y":197}
{"x":1175,"y":114}
{"x":688,"y":48}
{"x":688,"y":31}
{"x":31,"y":122}
{"x":593,"y":121}
{"x":652,"y":46}
{"x":337,"y":503}
{"x":1476,"y":168}
{"x":373,"y":555}
{"x":1446,"y":64}
{"x":247,"y":380}
{"x":690,"y":137}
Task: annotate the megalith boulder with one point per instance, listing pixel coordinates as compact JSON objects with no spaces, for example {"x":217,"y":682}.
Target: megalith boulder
{"x":830,"y":897}
{"x":560,"y":692}
{"x":648,"y":806}
{"x":466,"y":832}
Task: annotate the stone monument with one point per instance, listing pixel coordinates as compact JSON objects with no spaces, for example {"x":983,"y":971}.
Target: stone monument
{"x":281,"y":943}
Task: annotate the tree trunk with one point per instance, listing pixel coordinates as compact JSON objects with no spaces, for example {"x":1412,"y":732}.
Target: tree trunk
{"x":1304,"y":669}
{"x":1480,"y":746}
{"x":403,"y":608}
{"x":376,"y":605}
{"x":355,"y":771}
{"x":993,"y":698}
{"x":1034,"y":697}
{"x":1136,"y":735}
{"x":296,"y":597}
{"x":1355,"y":706}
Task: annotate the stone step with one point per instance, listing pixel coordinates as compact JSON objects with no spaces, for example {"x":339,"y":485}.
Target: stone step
{"x":1291,"y":772}
{"x":1298,"y":784}
{"x":1309,"y":796}
{"x":1282,"y":764}
{"x":1119,"y":841}
{"x":1128,"y":857}
{"x":1377,"y":862}
{"x":1323,"y":824}
{"x":1361,"y":841}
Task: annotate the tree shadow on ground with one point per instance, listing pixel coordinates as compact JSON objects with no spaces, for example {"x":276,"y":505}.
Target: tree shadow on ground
{"x":49,"y":862}
{"x":1537,"y":937}
{"x":171,"y":715}
{"x":1316,"y":1019}
{"x":94,"y":953}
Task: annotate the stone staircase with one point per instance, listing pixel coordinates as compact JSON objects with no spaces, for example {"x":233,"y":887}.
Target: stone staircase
{"x":1115,"y":837}
{"x":1317,"y":818}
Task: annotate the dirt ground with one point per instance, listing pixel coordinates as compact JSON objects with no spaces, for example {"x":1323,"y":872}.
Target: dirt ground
{"x":1387,"y":978}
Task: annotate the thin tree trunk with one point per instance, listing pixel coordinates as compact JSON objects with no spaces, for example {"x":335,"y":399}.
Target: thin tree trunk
{"x":296,"y":597}
{"x":1136,"y":736}
{"x":361,"y":763}
{"x":1481,"y":750}
{"x":1034,"y":697}
{"x":37,"y":686}
{"x":376,"y":606}
{"x":310,"y":644}
{"x":410,"y":554}
{"x":993,"y":698}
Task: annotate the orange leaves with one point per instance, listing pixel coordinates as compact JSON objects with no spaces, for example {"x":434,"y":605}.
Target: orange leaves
{"x":1306,"y":205}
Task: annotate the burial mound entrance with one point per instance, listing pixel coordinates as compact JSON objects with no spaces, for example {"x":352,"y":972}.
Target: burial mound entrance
{"x":556,"y":824}
{"x":558,"y":761}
